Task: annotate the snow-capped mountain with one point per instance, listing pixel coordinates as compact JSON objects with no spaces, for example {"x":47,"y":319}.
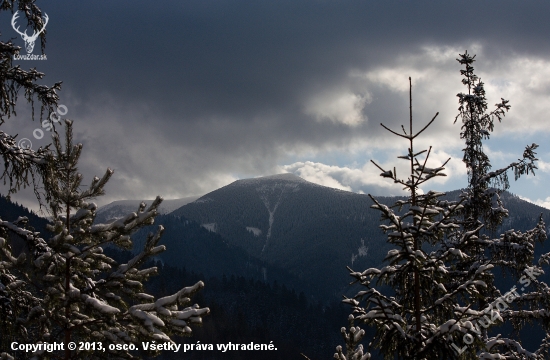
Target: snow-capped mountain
{"x":308,"y":231}
{"x":312,"y":231}
{"x":120,"y":208}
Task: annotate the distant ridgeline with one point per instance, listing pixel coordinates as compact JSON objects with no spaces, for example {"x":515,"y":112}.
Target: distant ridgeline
{"x":287,"y":229}
{"x":283,"y":228}
{"x":275,"y":245}
{"x":312,"y":231}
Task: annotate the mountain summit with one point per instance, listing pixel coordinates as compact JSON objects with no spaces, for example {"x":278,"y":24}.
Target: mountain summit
{"x":283,"y":176}
{"x":311,"y":230}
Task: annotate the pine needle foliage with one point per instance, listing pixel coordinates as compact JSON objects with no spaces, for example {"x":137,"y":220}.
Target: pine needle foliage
{"x":82,"y":294}
{"x":441,"y":272}
{"x":412,"y":321}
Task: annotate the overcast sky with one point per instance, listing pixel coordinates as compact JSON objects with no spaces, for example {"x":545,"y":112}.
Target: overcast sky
{"x":183,"y":97}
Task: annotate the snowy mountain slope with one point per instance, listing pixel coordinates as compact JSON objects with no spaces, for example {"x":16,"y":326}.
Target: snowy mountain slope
{"x":198,"y":249}
{"x":312,"y":231}
{"x":119,"y":208}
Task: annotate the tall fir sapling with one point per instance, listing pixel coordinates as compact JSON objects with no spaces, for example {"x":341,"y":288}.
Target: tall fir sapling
{"x":416,"y":318}
{"x":513,"y":251}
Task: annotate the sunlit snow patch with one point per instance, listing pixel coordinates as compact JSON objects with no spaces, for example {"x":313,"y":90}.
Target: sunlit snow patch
{"x":212,"y":227}
{"x":361,"y":251}
{"x":255,"y":231}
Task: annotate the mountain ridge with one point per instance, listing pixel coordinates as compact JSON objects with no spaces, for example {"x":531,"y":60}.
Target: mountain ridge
{"x":120,"y":208}
{"x":310,"y":230}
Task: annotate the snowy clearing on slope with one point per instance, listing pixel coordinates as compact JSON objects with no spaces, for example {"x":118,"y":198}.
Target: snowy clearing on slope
{"x":254,"y":230}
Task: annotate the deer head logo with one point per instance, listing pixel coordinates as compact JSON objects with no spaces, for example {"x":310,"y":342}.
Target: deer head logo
{"x":29,"y":40}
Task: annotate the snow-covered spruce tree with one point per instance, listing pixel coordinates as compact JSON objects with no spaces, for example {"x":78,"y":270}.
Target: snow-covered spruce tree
{"x":482,"y":205}
{"x":415,"y":319}
{"x":513,"y":251}
{"x":472,"y":312}
{"x":85,"y":295}
{"x":21,"y":167}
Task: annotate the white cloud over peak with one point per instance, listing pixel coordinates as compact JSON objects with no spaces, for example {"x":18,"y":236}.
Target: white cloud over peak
{"x":367,"y":179}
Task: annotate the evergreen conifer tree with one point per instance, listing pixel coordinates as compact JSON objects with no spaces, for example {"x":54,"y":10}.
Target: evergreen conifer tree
{"x":513,"y":251}
{"x":80,"y":294}
{"x":64,"y":288}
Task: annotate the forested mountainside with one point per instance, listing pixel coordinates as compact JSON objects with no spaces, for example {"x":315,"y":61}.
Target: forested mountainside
{"x":200,"y":250}
{"x":313,"y":231}
{"x":255,"y":298}
{"x":244,"y":310}
{"x":11,"y":211}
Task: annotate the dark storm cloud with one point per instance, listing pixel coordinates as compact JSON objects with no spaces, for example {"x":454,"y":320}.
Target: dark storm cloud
{"x":222,"y":87}
{"x":237,"y":59}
